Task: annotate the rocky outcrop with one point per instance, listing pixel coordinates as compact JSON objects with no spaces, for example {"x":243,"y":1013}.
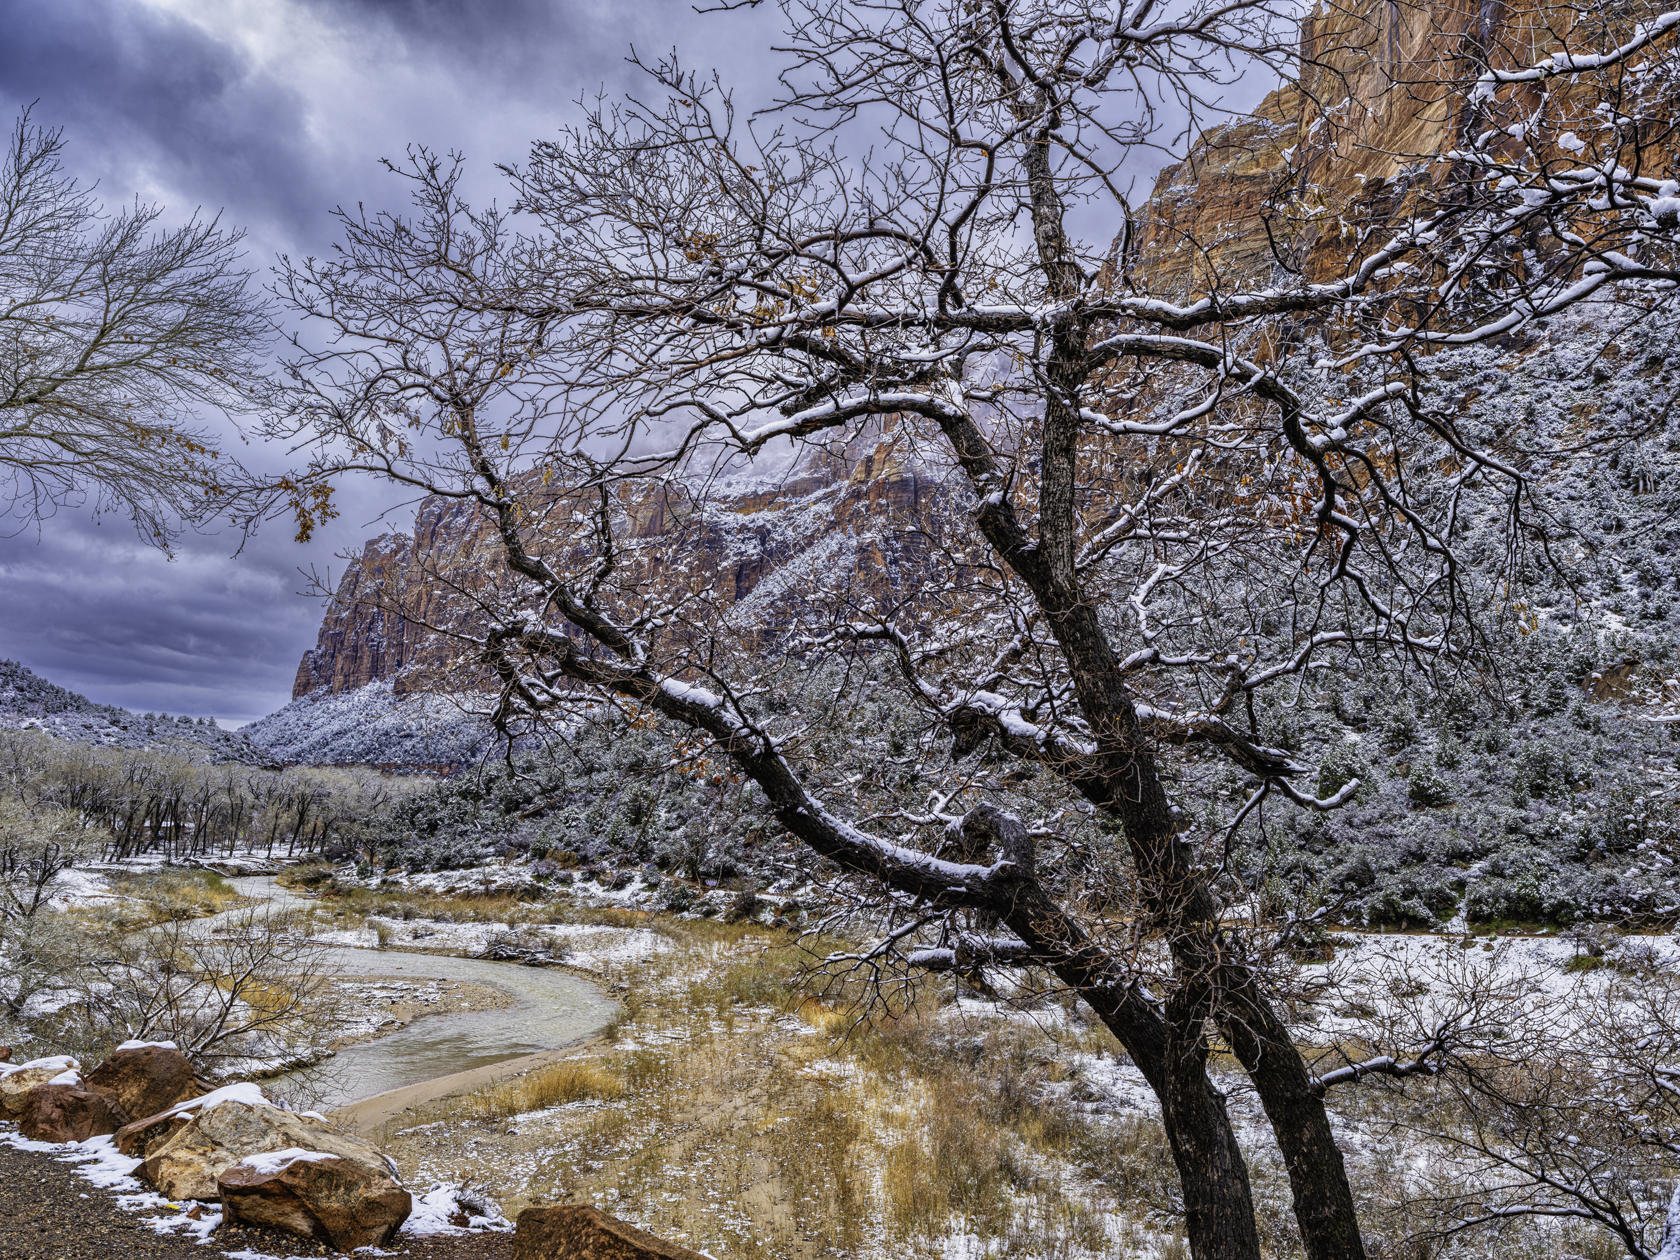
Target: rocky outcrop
{"x":53,"y":1102}
{"x":578,"y":1232}
{"x":69,"y":1113}
{"x":315,"y":1195}
{"x":188,"y":1149}
{"x":269,"y":1166}
{"x":146,"y":1079}
{"x":18,"y":1081}
{"x":823,"y":515}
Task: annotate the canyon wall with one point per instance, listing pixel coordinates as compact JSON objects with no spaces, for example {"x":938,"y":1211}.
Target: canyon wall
{"x":1290,"y":192}
{"x":1384,"y":89}
{"x":750,"y":546}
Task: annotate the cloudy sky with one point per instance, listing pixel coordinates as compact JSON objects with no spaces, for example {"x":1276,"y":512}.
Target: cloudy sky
{"x":272,"y":112}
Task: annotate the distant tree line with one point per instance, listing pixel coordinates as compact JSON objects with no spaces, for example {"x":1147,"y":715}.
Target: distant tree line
{"x":134,"y":802}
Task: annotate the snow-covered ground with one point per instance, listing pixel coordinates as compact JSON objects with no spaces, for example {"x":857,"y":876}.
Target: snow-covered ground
{"x":589,"y":946}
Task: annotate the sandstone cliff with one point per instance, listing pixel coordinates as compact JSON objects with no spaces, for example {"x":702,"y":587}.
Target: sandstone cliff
{"x":1383,"y":88}
{"x":751,"y":546}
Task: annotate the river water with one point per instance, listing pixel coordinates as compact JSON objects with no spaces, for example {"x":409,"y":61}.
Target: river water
{"x":551,"y":1008}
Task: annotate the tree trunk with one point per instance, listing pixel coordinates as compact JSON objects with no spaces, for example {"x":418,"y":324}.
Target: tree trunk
{"x":1324,"y":1207}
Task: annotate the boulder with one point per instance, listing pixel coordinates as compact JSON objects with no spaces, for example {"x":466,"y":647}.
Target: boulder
{"x":225,"y":1127}
{"x":70,"y":1113}
{"x":136,"y":1137}
{"x":17,"y":1082}
{"x":146,"y":1078}
{"x":578,"y":1232}
{"x":314,"y":1195}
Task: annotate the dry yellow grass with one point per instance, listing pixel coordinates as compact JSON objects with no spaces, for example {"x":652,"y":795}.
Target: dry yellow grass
{"x":172,"y":895}
{"x":552,"y":1085}
{"x":721,"y":1123}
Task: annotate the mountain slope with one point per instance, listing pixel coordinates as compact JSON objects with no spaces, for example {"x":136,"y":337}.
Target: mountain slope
{"x":30,"y":702}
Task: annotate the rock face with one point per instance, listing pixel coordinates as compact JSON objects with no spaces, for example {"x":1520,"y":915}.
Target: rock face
{"x":577,"y":1232}
{"x":318,"y":1196}
{"x":823,"y":516}
{"x":69,"y":1113}
{"x":146,"y":1079}
{"x":18,"y":1082}
{"x":1290,"y":190}
{"x":193,"y":1148}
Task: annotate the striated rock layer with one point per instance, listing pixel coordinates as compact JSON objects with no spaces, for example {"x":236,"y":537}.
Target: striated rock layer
{"x":1384,"y":87}
{"x":749,"y":547}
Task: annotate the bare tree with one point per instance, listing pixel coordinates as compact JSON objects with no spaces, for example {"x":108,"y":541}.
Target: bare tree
{"x":115,"y":330}
{"x":244,"y":992}
{"x":1160,"y":510}
{"x":1549,"y":1096}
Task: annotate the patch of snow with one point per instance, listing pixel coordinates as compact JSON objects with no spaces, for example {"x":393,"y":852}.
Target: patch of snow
{"x":63,"y":1062}
{"x":268,"y":1162}
{"x":434,"y":1212}
{"x":371,"y":726}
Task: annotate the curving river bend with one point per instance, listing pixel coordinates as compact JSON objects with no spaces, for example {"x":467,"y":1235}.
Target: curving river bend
{"x":551,"y":1009}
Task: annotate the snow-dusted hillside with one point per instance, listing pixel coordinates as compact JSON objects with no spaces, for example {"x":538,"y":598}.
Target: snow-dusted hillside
{"x":30,"y":702}
{"x":370,"y":726}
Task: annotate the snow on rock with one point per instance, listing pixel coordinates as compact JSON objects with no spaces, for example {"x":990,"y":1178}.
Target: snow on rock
{"x":62,"y":1062}
{"x":274,"y":1161}
{"x":248,"y":1092}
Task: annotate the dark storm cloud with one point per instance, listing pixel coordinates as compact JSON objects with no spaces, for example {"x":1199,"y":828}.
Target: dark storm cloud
{"x":272,"y":112}
{"x":147,"y":98}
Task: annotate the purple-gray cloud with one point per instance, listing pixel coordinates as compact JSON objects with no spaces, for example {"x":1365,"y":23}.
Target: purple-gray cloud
{"x":272,"y":112}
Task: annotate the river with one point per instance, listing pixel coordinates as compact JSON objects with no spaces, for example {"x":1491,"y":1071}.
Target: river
{"x":551,"y":1009}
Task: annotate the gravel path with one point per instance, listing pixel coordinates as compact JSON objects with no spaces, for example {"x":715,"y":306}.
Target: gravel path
{"x":47,"y":1212}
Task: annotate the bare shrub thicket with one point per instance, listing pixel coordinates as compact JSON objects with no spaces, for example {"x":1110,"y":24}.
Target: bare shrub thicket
{"x":123,"y":803}
{"x":238,"y":995}
{"x":1151,"y":513}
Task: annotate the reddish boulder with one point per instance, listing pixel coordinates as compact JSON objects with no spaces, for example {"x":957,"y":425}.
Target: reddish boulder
{"x":146,"y":1079}
{"x":314,"y":1195}
{"x":17,"y":1083}
{"x":577,"y":1232}
{"x":70,"y":1113}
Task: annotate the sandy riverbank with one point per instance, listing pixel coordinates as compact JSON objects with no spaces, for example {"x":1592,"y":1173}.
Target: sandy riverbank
{"x":366,"y":1115}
